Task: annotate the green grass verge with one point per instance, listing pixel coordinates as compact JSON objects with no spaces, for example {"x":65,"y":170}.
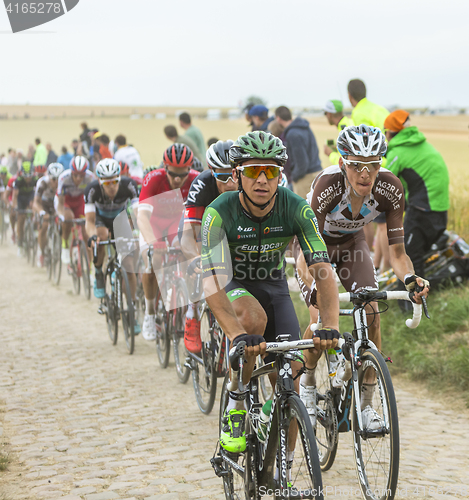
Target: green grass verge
{"x":437,"y":352}
{"x":4,"y":461}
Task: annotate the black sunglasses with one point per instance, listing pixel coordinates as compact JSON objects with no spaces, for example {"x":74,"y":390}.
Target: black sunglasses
{"x":173,"y":174}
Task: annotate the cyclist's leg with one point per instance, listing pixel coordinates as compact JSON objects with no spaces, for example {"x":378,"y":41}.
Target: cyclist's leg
{"x":99,"y":285}
{"x":42,"y":236}
{"x":23,"y":204}
{"x":252,"y":317}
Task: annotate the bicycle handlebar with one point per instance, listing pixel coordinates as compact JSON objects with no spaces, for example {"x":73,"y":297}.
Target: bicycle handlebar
{"x":236,"y":357}
{"x":368,"y":295}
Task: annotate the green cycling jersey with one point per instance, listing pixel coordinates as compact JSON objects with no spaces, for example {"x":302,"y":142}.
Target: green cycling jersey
{"x":233,"y":243}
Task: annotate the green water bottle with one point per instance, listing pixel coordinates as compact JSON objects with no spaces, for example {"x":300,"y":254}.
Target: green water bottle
{"x":264,"y":420}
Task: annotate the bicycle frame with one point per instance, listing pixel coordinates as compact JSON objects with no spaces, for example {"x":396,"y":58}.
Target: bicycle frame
{"x":287,"y":351}
{"x":353,"y":346}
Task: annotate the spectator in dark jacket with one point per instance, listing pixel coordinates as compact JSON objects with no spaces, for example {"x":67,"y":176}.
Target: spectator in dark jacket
{"x":302,"y":150}
{"x":260,"y":117}
{"x":51,"y":156}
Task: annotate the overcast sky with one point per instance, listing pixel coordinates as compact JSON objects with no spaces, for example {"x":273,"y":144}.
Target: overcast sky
{"x":216,"y":53}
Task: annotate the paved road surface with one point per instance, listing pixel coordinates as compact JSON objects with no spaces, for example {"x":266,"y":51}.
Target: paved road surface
{"x":84,"y":420}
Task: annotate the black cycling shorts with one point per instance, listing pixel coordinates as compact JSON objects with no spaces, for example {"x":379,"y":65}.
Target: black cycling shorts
{"x":24,"y":200}
{"x":274,"y":298}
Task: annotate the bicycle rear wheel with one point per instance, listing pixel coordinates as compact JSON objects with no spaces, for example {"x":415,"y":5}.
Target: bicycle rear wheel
{"x":204,"y":375}
{"x":127,"y":311}
{"x":75,"y":265}
{"x":3,"y":225}
{"x":56,"y":256}
{"x":179,"y":319}
{"x":300,"y":474}
{"x":326,"y":431}
{"x":163,"y":344}
{"x":111,"y":307}
{"x":377,"y":450}
{"x":85,"y":270}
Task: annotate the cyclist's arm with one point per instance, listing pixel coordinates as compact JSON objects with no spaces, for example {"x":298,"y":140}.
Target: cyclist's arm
{"x":189,"y":245}
{"x":317,"y":259}
{"x":144,"y":224}
{"x":90,"y":218}
{"x":37,"y":204}
{"x":328,"y":294}
{"x":61,"y":206}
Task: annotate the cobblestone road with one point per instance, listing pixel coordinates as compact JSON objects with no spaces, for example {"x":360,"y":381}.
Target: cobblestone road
{"x":82,"y":419}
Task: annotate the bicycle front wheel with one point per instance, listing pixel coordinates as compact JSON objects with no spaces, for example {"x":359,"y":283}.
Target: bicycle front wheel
{"x":127,"y":311}
{"x":75,"y":265}
{"x":327,"y":436}
{"x":179,"y":319}
{"x":111,"y":307}
{"x":299,"y":468}
{"x":85,"y":270}
{"x":204,"y":375}
{"x":377,"y":442}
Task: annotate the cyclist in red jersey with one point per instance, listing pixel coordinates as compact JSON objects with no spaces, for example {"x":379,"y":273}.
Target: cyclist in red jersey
{"x":70,"y":193}
{"x":160,"y":208}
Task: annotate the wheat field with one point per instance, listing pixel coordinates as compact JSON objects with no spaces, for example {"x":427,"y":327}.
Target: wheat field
{"x":449,"y":135}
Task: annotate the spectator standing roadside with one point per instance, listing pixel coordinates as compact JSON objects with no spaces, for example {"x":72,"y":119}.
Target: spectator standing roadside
{"x":51,"y":156}
{"x":12,"y":162}
{"x":85,"y":135}
{"x":172,"y":134}
{"x":75,"y":145}
{"x":65,"y":158}
{"x":260,"y":117}
{"x":128,"y":154}
{"x":334,"y":112}
{"x":302,"y":150}
{"x":40,"y":155}
{"x":364,"y":111}
{"x":192,"y":131}
{"x":425,"y":177}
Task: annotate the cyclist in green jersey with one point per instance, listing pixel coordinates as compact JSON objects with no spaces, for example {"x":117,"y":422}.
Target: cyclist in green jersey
{"x":244,"y":238}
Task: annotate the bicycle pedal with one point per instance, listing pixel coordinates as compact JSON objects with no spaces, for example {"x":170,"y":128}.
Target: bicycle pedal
{"x":100,"y":310}
{"x":217,"y":464}
{"x":188,"y":365}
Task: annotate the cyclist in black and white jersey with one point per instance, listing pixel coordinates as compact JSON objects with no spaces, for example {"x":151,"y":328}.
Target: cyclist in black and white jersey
{"x":105,"y":199}
{"x":205,"y":188}
{"x":46,"y":189}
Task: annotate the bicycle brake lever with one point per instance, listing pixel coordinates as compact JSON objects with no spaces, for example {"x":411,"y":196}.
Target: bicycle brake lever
{"x":425,"y":308}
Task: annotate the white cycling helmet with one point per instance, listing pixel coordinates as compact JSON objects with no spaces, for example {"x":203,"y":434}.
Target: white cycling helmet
{"x":54,"y":170}
{"x":108,"y":168}
{"x":218,"y":155}
{"x":79,"y":164}
{"x":361,"y":141}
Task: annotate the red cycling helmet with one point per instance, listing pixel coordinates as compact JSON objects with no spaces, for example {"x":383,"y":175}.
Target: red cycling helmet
{"x":79,"y":164}
{"x":40,"y":169}
{"x":124,"y":169}
{"x":178,"y":155}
